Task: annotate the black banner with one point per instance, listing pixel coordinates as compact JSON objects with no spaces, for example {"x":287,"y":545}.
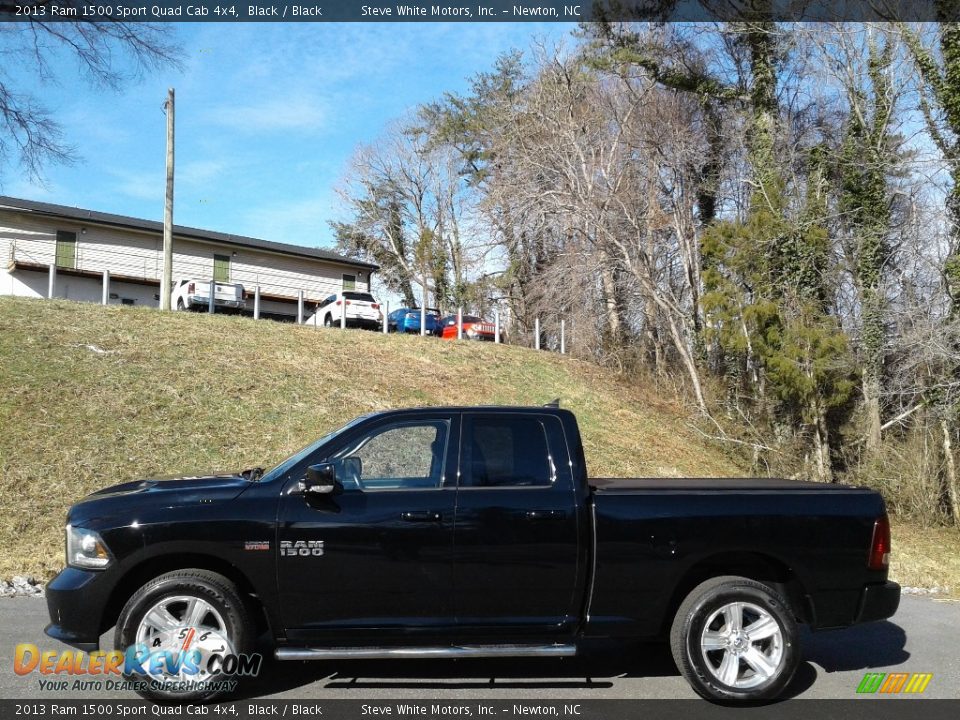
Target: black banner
{"x":857,"y":709}
{"x":566,"y":11}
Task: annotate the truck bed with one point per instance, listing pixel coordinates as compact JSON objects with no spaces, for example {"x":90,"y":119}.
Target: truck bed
{"x":651,"y":533}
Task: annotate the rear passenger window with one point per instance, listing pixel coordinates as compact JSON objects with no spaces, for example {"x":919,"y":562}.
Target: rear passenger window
{"x":506,"y":451}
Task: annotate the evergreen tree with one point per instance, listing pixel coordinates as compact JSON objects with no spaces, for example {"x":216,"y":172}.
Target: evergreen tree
{"x":867,"y":157}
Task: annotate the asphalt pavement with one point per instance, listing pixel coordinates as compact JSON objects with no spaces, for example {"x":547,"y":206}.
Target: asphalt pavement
{"x":923,"y":637}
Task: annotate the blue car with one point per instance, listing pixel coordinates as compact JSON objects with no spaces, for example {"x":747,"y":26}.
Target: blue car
{"x":407,"y":320}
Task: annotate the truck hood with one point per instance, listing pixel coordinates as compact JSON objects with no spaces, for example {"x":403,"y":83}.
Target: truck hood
{"x":179,"y":490}
{"x":129,"y":499}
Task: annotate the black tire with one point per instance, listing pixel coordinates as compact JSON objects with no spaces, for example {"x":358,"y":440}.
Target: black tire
{"x":702,"y":667}
{"x":180,"y":305}
{"x":328,"y":321}
{"x":213,"y":589}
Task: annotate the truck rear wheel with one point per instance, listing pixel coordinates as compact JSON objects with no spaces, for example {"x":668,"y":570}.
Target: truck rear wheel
{"x":180,"y":622}
{"x":735,"y":639}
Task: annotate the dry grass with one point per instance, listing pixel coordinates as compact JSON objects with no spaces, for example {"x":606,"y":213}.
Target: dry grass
{"x":91,"y":396}
{"x":926,"y":557}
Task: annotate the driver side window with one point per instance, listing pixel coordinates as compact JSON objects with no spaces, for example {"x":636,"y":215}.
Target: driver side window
{"x":397,"y":456}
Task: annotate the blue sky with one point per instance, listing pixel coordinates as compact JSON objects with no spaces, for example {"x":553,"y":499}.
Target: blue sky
{"x":268,"y":116}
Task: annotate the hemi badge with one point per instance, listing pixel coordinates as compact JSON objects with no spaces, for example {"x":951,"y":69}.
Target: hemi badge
{"x":256,"y":545}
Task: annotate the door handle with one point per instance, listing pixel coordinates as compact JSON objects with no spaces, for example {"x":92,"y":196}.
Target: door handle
{"x":422,"y":516}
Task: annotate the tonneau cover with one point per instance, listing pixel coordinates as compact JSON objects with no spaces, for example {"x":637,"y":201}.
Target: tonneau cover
{"x":606,"y":485}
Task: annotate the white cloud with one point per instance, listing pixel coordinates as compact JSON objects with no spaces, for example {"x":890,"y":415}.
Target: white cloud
{"x":200,"y":172}
{"x":138,"y":184}
{"x":292,"y":111}
{"x":296,"y":221}
{"x":30,"y":190}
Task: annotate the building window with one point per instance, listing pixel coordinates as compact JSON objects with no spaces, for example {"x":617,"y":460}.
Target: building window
{"x":221,"y":268}
{"x":66,"y":249}
{"x":349,"y":282}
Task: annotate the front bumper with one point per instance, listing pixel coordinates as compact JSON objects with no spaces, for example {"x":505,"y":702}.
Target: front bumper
{"x":75,"y":600}
{"x":878,"y":602}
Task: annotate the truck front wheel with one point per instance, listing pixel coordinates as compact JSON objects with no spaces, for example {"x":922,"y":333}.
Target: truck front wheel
{"x":182,"y":626}
{"x":735,"y":639}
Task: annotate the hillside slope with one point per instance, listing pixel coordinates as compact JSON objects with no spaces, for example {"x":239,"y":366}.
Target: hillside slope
{"x":91,"y":396}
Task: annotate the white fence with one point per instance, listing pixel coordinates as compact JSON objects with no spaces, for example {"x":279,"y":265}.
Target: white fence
{"x":559,"y":339}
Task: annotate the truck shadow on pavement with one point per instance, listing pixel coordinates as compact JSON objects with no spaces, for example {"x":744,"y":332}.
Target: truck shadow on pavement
{"x":878,"y":644}
{"x":593,"y":670}
{"x":861,"y":647}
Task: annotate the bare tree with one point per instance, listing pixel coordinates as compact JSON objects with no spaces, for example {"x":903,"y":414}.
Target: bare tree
{"x":580,"y":158}
{"x":407,"y":210}
{"x":30,"y":137}
{"x":750,"y":210}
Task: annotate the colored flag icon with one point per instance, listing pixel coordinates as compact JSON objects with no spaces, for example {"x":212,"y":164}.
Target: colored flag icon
{"x":894,"y":683}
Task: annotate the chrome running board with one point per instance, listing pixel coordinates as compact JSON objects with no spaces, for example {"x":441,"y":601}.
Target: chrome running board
{"x":462,"y":651}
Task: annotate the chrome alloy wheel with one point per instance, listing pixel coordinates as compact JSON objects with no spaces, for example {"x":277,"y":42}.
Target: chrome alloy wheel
{"x":742,"y":645}
{"x":184,"y":624}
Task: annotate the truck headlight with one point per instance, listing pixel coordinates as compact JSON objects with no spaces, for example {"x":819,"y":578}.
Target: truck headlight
{"x":85,"y":549}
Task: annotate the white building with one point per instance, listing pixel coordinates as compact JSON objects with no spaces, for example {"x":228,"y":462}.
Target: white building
{"x":82,"y":244}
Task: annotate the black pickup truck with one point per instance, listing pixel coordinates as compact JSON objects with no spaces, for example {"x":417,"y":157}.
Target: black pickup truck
{"x":471,"y":532}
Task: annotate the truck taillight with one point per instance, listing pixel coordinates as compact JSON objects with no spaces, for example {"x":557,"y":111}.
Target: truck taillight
{"x":346,"y":302}
{"x":375,"y":306}
{"x":338,"y":303}
{"x":880,"y":544}
{"x":191,"y":288}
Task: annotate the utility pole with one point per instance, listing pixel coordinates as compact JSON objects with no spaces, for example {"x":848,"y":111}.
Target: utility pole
{"x":166,"y":278}
{"x":423,"y":306}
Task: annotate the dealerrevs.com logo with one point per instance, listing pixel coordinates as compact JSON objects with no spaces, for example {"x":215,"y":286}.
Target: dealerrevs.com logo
{"x":204,"y":666}
{"x":894,"y":683}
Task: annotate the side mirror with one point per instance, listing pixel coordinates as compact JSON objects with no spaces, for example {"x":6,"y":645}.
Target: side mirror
{"x":352,"y":468}
{"x":321,"y":480}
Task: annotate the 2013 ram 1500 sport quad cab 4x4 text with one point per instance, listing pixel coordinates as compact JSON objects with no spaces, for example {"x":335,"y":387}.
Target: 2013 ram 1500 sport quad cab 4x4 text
{"x":472,"y":532}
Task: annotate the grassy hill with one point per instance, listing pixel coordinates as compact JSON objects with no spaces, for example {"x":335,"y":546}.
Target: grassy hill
{"x":91,"y":396}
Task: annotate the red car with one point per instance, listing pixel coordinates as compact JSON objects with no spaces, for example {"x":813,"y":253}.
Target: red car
{"x":474,"y":328}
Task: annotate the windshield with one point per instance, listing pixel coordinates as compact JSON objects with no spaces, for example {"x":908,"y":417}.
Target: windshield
{"x":286,"y":465}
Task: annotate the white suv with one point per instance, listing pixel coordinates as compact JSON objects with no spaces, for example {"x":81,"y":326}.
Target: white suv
{"x":360,"y":308}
